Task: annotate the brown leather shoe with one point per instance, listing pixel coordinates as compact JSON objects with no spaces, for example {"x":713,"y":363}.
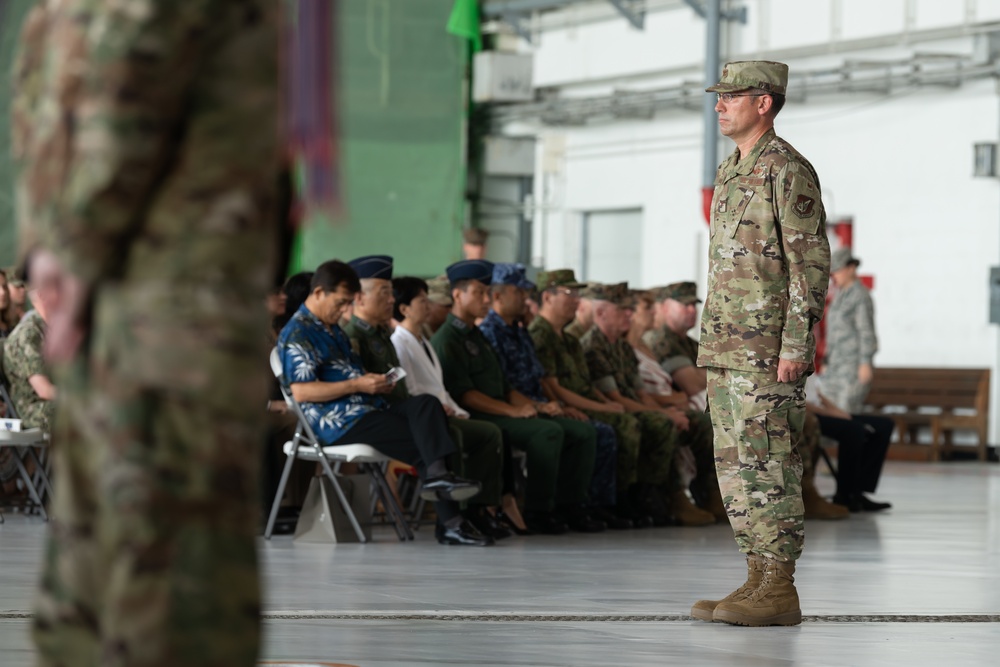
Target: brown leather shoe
{"x":819,"y":508}
{"x":703,"y":609}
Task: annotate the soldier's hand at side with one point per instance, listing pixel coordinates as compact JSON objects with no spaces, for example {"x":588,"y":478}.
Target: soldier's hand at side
{"x":526,"y":411}
{"x":865,"y":373}
{"x":790,"y":371}
{"x":68,"y":303}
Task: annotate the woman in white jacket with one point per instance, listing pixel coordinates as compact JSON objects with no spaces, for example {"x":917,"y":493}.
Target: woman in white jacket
{"x":424,"y":376}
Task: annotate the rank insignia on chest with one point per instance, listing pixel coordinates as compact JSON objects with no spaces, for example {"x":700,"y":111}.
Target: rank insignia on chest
{"x":721,"y":208}
{"x":472,"y":348}
{"x":803,"y":206}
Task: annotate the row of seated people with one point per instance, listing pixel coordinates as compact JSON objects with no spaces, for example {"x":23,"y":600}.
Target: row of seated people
{"x":495,"y":363}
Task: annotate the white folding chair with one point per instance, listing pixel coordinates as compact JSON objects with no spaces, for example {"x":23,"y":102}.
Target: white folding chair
{"x":307,"y":447}
{"x":26,"y":443}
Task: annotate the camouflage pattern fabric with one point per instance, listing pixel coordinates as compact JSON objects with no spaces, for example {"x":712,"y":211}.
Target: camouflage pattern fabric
{"x":22,"y":358}
{"x":613,"y":366}
{"x":667,"y":343}
{"x":147,"y":137}
{"x":851,"y":342}
{"x":575,"y":329}
{"x":769,"y":261}
{"x":758,"y":430}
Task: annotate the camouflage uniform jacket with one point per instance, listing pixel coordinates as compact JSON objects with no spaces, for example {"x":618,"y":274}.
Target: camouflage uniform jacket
{"x":575,"y":329}
{"x":516,"y":353}
{"x":850,"y":331}
{"x":562,"y":357}
{"x":22,"y":358}
{"x":612,"y":365}
{"x":310,"y":351}
{"x":769,"y":260}
{"x":666,"y":343}
{"x":468,"y":362}
{"x":373,"y":345}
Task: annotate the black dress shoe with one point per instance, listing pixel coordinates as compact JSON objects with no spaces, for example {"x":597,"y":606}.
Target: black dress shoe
{"x":449,"y":486}
{"x":850,"y":501}
{"x":611,"y":520}
{"x":544,"y":523}
{"x":487,"y":524}
{"x":464,"y":535}
{"x":509,"y":524}
{"x":868,"y":505}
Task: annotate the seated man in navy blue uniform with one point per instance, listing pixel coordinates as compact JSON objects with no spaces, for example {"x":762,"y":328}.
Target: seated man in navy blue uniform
{"x":343,"y":404}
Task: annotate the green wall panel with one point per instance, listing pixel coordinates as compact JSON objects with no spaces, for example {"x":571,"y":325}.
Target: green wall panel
{"x":11,"y":17}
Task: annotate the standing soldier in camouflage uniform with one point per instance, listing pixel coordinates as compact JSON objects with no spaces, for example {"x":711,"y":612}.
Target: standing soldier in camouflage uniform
{"x":769,"y":262}
{"x":479,"y":444}
{"x":851,"y":342}
{"x":148,"y":139}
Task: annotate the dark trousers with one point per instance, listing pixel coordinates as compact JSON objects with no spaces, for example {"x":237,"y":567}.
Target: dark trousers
{"x":414,"y":431}
{"x":863,"y":441}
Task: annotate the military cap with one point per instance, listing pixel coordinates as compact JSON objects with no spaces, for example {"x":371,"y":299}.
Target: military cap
{"x":766,"y":75}
{"x":471,"y":269}
{"x":842,"y":258}
{"x":602,"y":292}
{"x":557,"y":278}
{"x":475,"y":236}
{"x":511,"y":274}
{"x":373,"y":266}
{"x":439,"y":291}
{"x":685,"y":292}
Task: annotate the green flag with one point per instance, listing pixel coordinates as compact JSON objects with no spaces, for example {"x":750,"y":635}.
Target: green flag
{"x":464,"y":22}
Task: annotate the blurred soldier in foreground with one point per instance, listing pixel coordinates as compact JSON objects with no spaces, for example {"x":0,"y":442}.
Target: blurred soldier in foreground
{"x":148,"y":139}
{"x":769,"y":265}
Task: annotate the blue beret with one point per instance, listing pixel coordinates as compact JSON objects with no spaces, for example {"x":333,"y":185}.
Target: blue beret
{"x":511,"y":274}
{"x":471,"y":269}
{"x":373,"y":266}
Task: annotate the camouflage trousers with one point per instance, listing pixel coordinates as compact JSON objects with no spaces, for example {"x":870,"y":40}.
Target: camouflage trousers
{"x":151,"y":560}
{"x":758,"y":429}
{"x":700,"y":440}
{"x":603,"y":487}
{"x":628,"y":439}
{"x":646,"y":446}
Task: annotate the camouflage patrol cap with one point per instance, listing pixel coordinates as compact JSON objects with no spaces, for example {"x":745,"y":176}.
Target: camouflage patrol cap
{"x":439,"y":291}
{"x":475,"y":236}
{"x":557,"y":278}
{"x":842,"y":258}
{"x":685,"y":292}
{"x":766,"y":75}
{"x":601,"y":292}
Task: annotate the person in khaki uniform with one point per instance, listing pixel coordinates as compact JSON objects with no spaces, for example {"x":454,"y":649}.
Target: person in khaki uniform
{"x":769,"y":268}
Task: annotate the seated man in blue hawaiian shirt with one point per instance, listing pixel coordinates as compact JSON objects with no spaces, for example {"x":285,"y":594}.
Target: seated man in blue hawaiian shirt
{"x":343,"y":404}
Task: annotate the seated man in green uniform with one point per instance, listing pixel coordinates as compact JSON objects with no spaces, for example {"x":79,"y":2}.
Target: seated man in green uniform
{"x":559,"y":468}
{"x":615,"y":371}
{"x":479,"y":443}
{"x":675,"y":350}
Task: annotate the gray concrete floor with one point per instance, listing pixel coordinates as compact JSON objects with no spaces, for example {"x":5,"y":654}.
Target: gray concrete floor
{"x":917,"y":585}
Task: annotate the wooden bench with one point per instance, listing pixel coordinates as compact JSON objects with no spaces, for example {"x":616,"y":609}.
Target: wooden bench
{"x":929,"y":397}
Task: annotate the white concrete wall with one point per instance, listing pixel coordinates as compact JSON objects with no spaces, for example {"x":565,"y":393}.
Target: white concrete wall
{"x":899,"y":165}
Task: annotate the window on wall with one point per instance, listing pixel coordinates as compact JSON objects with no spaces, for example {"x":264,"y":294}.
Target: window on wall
{"x":612,"y":246}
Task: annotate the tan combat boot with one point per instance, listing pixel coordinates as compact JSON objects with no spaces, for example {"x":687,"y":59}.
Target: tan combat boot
{"x":775,"y":602}
{"x":703,"y":609}
{"x":686,"y":513}
{"x":818,"y":507}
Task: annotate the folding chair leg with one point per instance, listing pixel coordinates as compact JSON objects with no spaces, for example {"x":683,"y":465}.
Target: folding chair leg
{"x":343,"y":499}
{"x":392,"y":508}
{"x":276,"y":504}
{"x":41,"y":477}
{"x":31,"y":487}
{"x":829,"y":463}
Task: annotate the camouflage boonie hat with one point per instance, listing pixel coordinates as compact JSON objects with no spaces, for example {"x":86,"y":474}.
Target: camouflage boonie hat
{"x":439,"y":291}
{"x":557,"y":278}
{"x":475,"y":236}
{"x":842,"y":258}
{"x":766,"y":75}
{"x":685,"y":292}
